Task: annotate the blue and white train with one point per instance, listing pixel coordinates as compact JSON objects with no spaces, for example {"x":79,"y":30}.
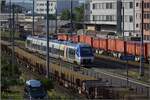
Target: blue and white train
{"x":79,"y":53}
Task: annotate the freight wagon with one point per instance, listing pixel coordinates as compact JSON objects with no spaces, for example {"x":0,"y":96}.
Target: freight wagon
{"x":116,"y":47}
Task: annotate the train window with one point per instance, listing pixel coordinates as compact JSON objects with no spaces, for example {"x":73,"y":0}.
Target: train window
{"x":71,"y":53}
{"x":38,"y":47}
{"x":28,"y":42}
{"x":86,"y":51}
{"x":55,"y":51}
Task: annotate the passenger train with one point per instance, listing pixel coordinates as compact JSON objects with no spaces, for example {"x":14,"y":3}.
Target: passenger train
{"x":79,"y":53}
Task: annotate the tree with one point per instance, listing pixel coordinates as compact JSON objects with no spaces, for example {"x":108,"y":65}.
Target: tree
{"x":79,"y":13}
{"x":65,"y":15}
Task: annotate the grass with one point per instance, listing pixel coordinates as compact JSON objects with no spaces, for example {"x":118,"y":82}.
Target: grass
{"x":15,"y":93}
{"x":20,"y":42}
{"x":57,"y":95}
{"x":7,"y":34}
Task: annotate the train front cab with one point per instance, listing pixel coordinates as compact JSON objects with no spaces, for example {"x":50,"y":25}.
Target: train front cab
{"x":84,"y":55}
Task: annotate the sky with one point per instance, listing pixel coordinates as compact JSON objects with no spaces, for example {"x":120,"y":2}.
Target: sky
{"x":19,"y":0}
{"x":30,"y":1}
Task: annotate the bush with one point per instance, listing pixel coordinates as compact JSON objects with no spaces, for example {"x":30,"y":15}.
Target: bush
{"x":48,"y":84}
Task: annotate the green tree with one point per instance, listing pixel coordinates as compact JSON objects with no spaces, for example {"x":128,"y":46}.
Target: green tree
{"x":65,"y":15}
{"x":79,"y":13}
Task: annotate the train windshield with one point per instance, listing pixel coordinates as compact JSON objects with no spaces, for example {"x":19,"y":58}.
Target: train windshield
{"x":86,"y":51}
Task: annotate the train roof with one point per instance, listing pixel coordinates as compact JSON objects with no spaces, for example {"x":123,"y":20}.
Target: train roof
{"x":69,"y":43}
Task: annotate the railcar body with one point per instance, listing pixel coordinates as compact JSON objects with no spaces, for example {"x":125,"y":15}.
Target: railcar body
{"x":79,"y":53}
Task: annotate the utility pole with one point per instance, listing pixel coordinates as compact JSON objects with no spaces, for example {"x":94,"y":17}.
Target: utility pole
{"x":13,"y":29}
{"x":47,"y":21}
{"x":71,"y":19}
{"x":56,"y":18}
{"x":142,"y":45}
{"x":84,"y":17}
{"x":126,"y":65}
{"x":123,"y":22}
{"x":10,"y":22}
{"x":33,"y":19}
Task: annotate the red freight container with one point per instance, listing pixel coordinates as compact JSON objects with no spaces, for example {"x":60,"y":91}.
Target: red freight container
{"x":89,"y":40}
{"x":148,"y":50}
{"x":65,"y":37}
{"x":120,"y":45}
{"x":82,"y":38}
{"x":60,"y":37}
{"x":96,"y":43}
{"x":103,"y":44}
{"x":130,"y":46}
{"x":138,"y":49}
{"x":69,"y":37}
{"x":75,"y":38}
{"x":111,"y":44}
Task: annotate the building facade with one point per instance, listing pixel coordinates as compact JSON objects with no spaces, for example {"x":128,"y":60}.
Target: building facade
{"x":41,"y":6}
{"x":147,"y":19}
{"x":108,"y":13}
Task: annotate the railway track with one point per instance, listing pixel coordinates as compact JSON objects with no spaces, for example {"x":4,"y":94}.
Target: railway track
{"x":104,"y":64}
{"x":111,"y":78}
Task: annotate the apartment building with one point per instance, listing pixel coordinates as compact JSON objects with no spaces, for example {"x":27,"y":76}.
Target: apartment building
{"x":147,"y":19}
{"x":107,"y":15}
{"x":40,"y":6}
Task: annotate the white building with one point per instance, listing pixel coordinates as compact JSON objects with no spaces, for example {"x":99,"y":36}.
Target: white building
{"x":41,"y":5}
{"x":107,"y":15}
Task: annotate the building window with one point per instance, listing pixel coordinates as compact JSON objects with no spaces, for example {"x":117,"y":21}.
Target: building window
{"x":147,"y":26}
{"x":137,"y":4}
{"x":130,"y":19}
{"x":93,"y":6}
{"x":131,"y":5}
{"x":109,"y":5}
{"x":137,"y":25}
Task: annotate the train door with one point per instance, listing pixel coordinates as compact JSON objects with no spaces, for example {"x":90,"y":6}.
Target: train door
{"x":65,"y":53}
{"x":61,"y":51}
{"x":71,"y":54}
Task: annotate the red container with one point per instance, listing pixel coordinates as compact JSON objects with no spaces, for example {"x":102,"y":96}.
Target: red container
{"x":65,"y":37}
{"x":148,"y":50}
{"x":75,"y":38}
{"x":60,"y":37}
{"x":119,"y":45}
{"x":89,"y":40}
{"x":82,"y":38}
{"x":111,"y":44}
{"x":103,"y":44}
{"x":96,"y":43}
{"x":130,"y":46}
{"x":69,"y":37}
{"x":138,"y":49}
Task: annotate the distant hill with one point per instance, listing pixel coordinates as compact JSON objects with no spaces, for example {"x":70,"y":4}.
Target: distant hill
{"x":28,"y":6}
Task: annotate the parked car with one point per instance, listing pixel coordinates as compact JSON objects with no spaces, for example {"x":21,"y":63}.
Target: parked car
{"x":34,"y":90}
